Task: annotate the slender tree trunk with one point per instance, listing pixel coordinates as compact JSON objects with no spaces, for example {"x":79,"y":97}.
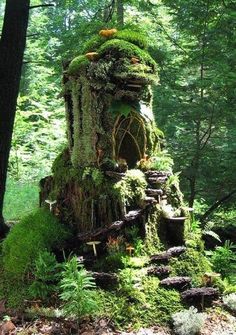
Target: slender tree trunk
{"x":216,"y":205}
{"x":12,"y":45}
{"x":120,"y":13}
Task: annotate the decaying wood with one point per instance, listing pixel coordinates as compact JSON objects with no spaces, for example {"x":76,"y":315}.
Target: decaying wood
{"x":101,"y":233}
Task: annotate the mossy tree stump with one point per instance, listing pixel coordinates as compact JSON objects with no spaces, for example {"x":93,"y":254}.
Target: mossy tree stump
{"x":111,"y":134}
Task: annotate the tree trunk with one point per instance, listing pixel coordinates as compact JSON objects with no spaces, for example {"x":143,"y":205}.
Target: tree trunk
{"x":120,"y":13}
{"x":12,"y":45}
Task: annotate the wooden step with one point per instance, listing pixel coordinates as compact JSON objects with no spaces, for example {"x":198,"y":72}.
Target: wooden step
{"x":159,"y":271}
{"x":200,"y":297}
{"x":153,"y":192}
{"x":177,"y":251}
{"x":178,"y":283}
{"x":162,"y":258}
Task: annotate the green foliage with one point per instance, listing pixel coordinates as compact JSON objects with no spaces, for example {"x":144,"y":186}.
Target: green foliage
{"x":34,"y":233}
{"x":140,"y":301}
{"x":112,"y":262}
{"x":162,"y":303}
{"x":20,"y":199}
{"x":161,"y":162}
{"x":77,"y":290}
{"x":223,"y":259}
{"x":133,"y":37}
{"x":77,"y":64}
{"x":132,"y":187}
{"x":96,"y":175}
{"x":93,"y":44}
{"x":191,"y":264}
{"x":46,"y":276}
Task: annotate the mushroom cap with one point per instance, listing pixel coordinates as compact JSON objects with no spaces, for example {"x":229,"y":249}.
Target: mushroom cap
{"x":212,"y":274}
{"x":129,"y":247}
{"x":93,"y":242}
{"x":50,"y":201}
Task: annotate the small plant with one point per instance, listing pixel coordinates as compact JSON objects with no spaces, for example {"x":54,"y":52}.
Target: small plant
{"x":162,"y":162}
{"x":46,"y":276}
{"x":230,"y":301}
{"x":188,"y":322}
{"x":77,"y":290}
{"x":131,"y":188}
{"x":95,"y":175}
{"x":115,"y":245}
{"x":223,"y":259}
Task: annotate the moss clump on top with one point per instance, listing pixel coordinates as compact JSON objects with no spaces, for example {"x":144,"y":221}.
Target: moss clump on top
{"x":34,"y":233}
{"x":78,"y":63}
{"x":119,"y":48}
{"x":133,"y":37}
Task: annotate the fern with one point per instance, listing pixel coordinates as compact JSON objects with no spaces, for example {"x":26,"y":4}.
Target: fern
{"x":79,"y":298}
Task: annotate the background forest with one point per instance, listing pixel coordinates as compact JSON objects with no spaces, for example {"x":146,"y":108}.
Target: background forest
{"x":194,"y":45}
{"x":171,"y":250}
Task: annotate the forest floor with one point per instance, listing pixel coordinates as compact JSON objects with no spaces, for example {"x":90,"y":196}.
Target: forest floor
{"x":215,"y":324}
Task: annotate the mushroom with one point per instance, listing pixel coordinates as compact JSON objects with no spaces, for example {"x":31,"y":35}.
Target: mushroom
{"x":209,"y":277}
{"x":51,"y":203}
{"x":129,"y":248}
{"x":94,"y":243}
{"x":134,"y":60}
{"x":107,"y":32}
{"x":92,"y":55}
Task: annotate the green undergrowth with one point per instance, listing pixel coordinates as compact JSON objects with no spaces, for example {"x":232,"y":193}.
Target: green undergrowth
{"x":20,"y":199}
{"x":140,"y":302}
{"x":192,"y":264}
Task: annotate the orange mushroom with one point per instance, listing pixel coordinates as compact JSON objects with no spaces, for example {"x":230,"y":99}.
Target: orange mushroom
{"x":107,"y":32}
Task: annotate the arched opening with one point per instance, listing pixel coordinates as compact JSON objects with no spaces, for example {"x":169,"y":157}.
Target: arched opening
{"x":129,"y":139}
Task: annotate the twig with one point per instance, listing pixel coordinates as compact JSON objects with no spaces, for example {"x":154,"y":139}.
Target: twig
{"x":38,"y":6}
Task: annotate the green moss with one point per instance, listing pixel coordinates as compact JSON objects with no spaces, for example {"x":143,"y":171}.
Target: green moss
{"x":131,"y":189}
{"x":131,"y":36}
{"x":140,"y":302}
{"x":192,"y":264}
{"x":152,"y":242}
{"x":78,"y":63}
{"x":34,"y":233}
{"x":95,"y":174}
{"x":93,"y":44}
{"x":122,"y":48}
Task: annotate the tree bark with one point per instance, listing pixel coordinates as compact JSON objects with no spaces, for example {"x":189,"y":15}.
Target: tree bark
{"x":120,"y":13}
{"x":12,"y":45}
